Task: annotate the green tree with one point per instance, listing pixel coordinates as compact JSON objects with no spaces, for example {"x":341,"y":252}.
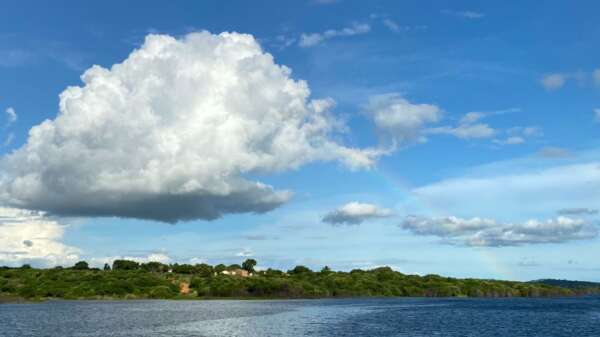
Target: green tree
{"x":204,"y":270}
{"x":220,"y":268}
{"x":183,"y":268}
{"x":125,"y":265}
{"x":300,"y":270}
{"x":106,"y":267}
{"x":154,"y":267}
{"x":249,"y":265}
{"x":81,"y":265}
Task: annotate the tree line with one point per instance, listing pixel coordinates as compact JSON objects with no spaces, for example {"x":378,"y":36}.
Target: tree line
{"x":126,"y":279}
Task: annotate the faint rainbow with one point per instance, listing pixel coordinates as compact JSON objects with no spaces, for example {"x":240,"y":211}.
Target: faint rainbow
{"x":404,"y":188}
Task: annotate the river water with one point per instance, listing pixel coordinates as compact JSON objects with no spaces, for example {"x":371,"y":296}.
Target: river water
{"x":411,"y":317}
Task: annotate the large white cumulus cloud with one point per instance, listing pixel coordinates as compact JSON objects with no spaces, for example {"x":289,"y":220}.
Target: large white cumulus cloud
{"x":171,"y":134}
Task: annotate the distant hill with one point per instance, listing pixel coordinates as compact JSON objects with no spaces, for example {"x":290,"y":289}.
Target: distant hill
{"x":567,"y":283}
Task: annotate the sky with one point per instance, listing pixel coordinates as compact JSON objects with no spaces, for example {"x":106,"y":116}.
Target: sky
{"x":435,"y":137}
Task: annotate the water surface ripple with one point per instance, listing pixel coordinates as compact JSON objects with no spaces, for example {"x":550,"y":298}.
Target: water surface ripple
{"x":410,"y":317}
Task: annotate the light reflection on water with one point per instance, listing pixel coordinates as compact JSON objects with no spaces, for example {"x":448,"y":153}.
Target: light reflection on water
{"x":352,"y":317}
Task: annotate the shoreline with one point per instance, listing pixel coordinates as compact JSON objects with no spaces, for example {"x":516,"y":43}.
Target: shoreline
{"x":20,"y":300}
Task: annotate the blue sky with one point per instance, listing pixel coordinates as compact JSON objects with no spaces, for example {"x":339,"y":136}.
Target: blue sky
{"x":448,"y":137}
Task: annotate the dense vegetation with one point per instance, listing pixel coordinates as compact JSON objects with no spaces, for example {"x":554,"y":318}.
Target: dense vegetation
{"x":129,"y":280}
{"x":569,"y":284}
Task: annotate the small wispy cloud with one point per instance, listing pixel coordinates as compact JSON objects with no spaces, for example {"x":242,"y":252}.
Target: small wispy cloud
{"x":556,"y":80}
{"x":553,"y":152}
{"x":553,"y":81}
{"x":465,"y":131}
{"x":313,"y":39}
{"x":259,"y":237}
{"x":578,"y":211}
{"x":528,"y":262}
{"x":326,"y":2}
{"x":512,"y":140}
{"x":597,"y":115}
{"x":464,"y":14}
{"x":519,"y":135}
{"x":11,"y":115}
{"x":245,"y":253}
{"x":470,"y":125}
{"x":354,"y":213}
{"x":9,"y":139}
{"x":596,"y":76}
{"x":15,"y":57}
{"x":391,"y":25}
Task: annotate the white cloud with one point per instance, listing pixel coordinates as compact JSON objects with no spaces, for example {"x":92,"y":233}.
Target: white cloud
{"x":464,"y":14}
{"x":170,"y":134}
{"x":11,"y":115}
{"x":450,"y":226}
{"x":394,"y":26}
{"x":487,"y":232}
{"x":553,"y":81}
{"x":245,"y":253}
{"x":519,"y":135}
{"x":578,"y":211}
{"x":468,"y":128}
{"x":596,"y":76}
{"x":597,"y":115}
{"x":197,"y":260}
{"x":512,"y":140}
{"x":528,"y":262}
{"x":472,"y":117}
{"x":526,"y":131}
{"x":30,"y":237}
{"x":471,"y":14}
{"x":555,"y":152}
{"x":398,"y":117}
{"x":313,"y":39}
{"x":283,"y":41}
{"x":465,"y":131}
{"x":503,"y":189}
{"x":354,"y":213}
{"x":9,"y":138}
{"x":406,"y":121}
{"x":391,"y":25}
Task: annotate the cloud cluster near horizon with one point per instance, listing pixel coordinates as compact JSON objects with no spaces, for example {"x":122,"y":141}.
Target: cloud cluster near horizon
{"x":552,"y":187}
{"x":170,"y":134}
{"x":488,"y":232}
{"x":28,"y":237}
{"x":354,"y":213}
